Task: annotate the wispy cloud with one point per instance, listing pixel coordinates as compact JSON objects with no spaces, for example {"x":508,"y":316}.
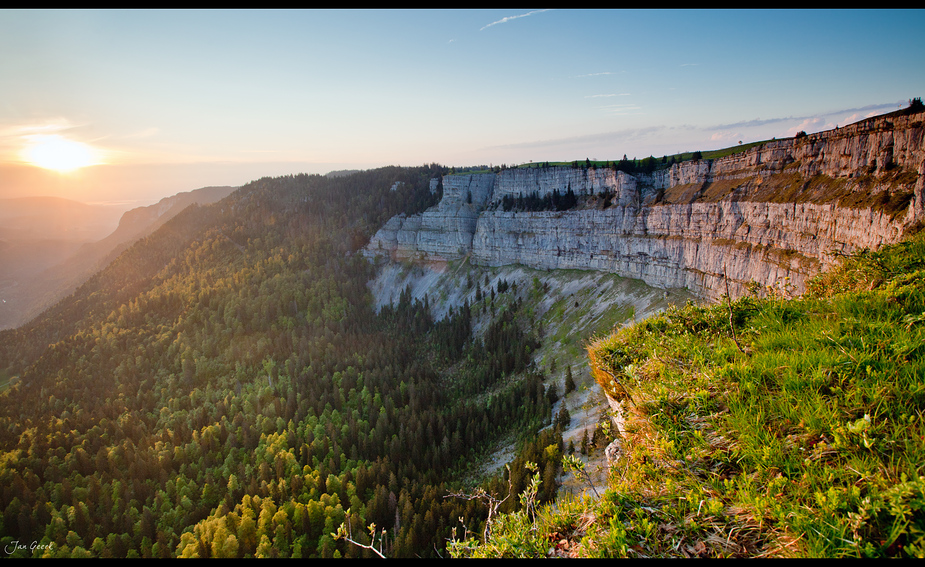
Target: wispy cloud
{"x":606,"y":95}
{"x":869,"y":110}
{"x":52,"y":126}
{"x":146,"y":133}
{"x":581,"y":142}
{"x":13,"y":137}
{"x":807,"y":124}
{"x":855,"y":117}
{"x":509,"y":18}
{"x":750,"y":123}
{"x":622,"y":109}
{"x":724,"y":136}
{"x":593,"y":74}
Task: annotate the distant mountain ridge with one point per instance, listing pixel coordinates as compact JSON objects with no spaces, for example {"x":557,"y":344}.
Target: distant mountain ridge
{"x":142,"y":220}
{"x":54,"y":218}
{"x":26,"y":293}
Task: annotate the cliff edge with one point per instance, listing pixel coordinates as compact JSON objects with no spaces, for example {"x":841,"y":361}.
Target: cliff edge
{"x":782,"y":209}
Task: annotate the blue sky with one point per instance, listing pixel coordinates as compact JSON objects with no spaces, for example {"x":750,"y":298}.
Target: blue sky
{"x":175,"y":100}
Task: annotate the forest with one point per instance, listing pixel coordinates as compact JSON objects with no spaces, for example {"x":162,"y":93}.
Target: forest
{"x":226,"y":389}
{"x":533,"y":202}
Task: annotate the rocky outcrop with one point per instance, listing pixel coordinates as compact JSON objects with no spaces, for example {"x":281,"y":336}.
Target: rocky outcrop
{"x":782,"y":209}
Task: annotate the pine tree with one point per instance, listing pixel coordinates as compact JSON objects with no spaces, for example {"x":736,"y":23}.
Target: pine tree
{"x":563,"y":418}
{"x":569,"y":380}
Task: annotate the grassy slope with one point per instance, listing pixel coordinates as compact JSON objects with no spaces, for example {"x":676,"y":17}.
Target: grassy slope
{"x":805,"y":439}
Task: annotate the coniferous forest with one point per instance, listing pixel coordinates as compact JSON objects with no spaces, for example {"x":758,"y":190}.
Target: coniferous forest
{"x":225,"y":388}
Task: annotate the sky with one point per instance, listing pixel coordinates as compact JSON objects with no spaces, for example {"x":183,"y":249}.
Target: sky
{"x":166,"y":101}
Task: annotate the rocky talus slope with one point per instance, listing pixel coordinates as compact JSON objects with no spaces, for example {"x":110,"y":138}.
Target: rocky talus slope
{"x":778,"y":210}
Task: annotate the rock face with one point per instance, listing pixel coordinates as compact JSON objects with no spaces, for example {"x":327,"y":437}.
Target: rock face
{"x":782,"y":209}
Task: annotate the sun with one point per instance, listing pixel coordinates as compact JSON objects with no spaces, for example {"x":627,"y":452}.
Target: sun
{"x":59,"y":154}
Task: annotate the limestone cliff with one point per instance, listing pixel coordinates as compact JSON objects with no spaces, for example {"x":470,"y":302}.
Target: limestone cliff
{"x":781,"y":209}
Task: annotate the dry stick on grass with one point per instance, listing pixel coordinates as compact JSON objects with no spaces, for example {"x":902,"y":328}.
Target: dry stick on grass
{"x":490,"y":500}
{"x":729,"y":306}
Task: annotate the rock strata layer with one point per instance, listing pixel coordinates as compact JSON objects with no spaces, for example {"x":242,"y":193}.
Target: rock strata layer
{"x":782,"y":209}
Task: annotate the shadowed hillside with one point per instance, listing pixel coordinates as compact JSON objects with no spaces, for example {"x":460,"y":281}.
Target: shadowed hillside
{"x":55,"y":245}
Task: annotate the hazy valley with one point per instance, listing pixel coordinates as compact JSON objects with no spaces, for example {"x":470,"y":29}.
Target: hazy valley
{"x":49,"y":246}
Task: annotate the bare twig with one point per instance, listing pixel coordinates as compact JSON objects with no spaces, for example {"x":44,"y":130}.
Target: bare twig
{"x":493,"y":502}
{"x":345,"y":532}
{"x":840,"y":347}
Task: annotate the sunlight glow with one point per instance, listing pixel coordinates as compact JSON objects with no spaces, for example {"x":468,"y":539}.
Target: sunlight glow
{"x":59,"y":154}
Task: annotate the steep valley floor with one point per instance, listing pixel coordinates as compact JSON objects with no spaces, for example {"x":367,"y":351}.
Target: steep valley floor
{"x":568,"y":308}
